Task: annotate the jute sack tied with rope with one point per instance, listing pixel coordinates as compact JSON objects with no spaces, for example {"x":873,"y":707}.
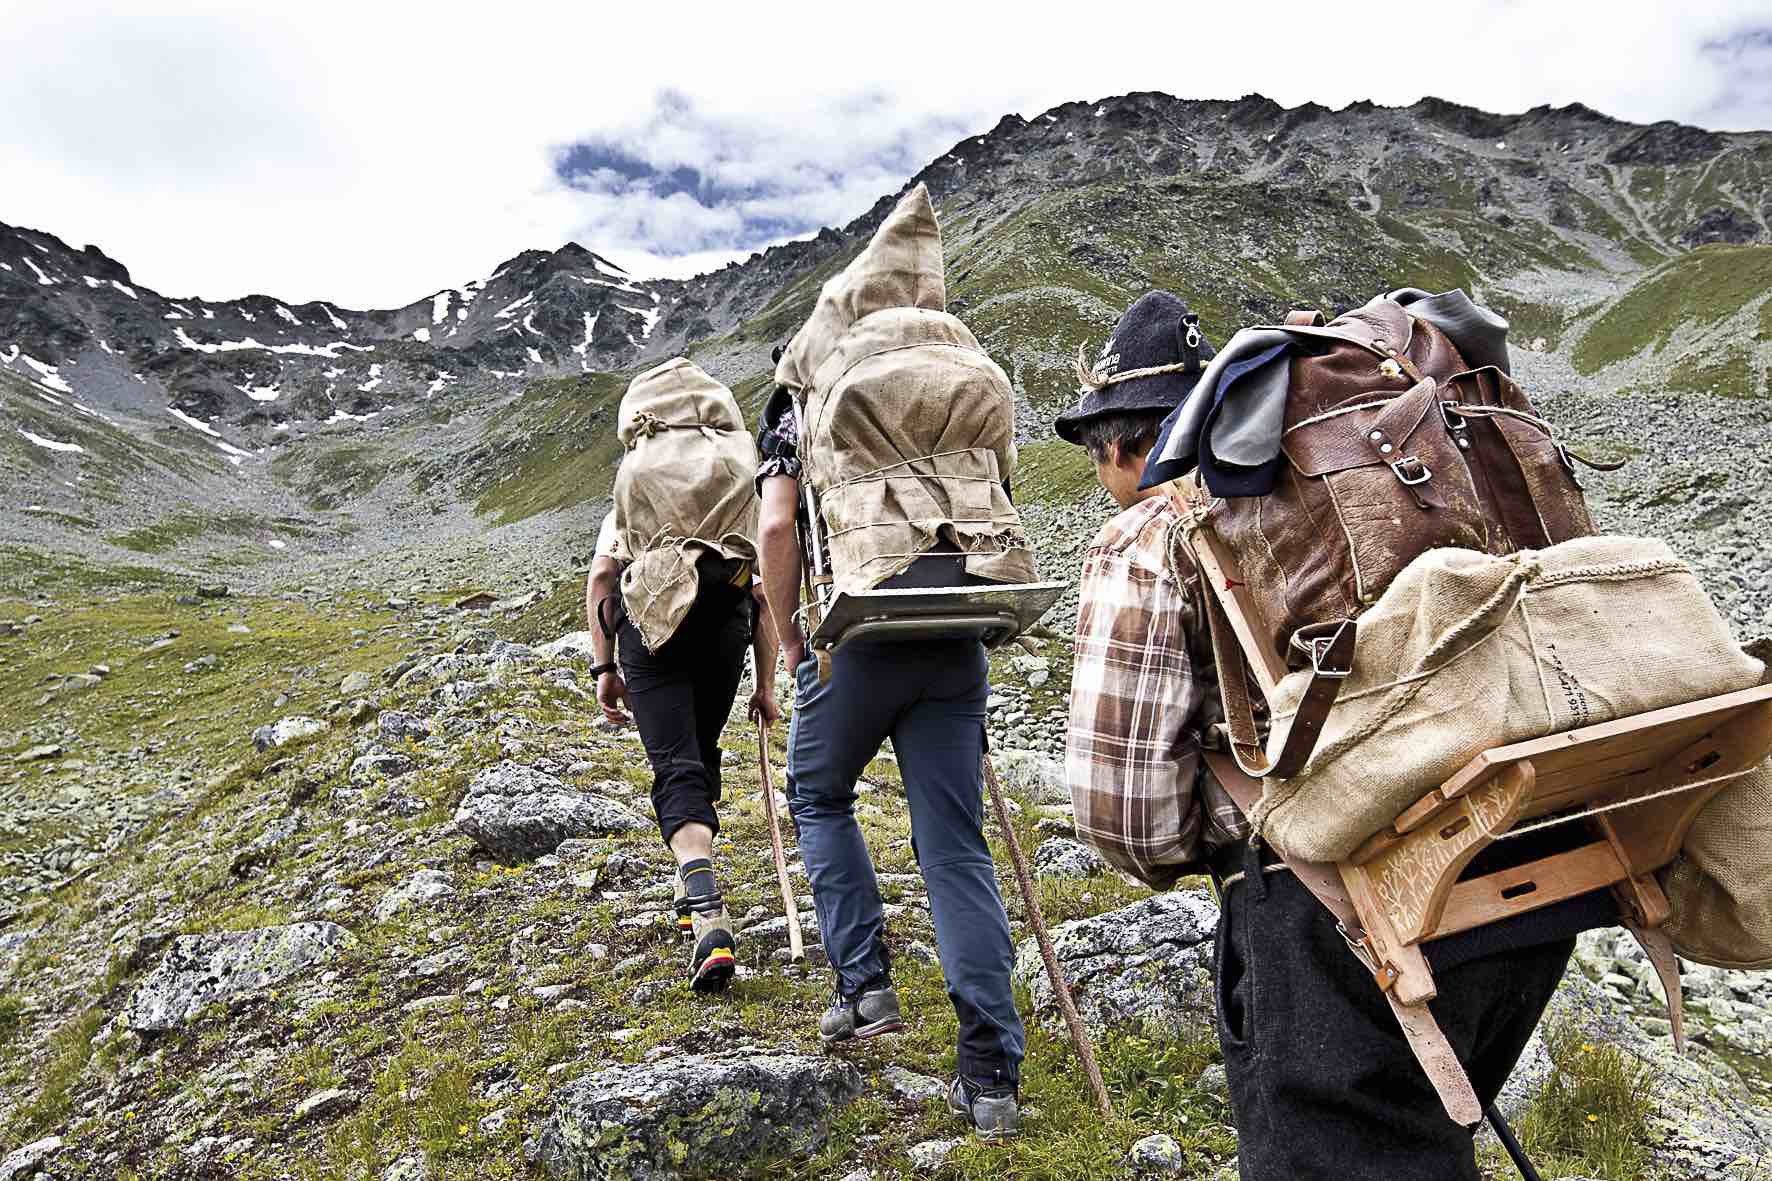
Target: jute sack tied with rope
{"x":1467,"y":650}
{"x":907,"y":428}
{"x":685,"y":486}
{"x":1720,"y":886}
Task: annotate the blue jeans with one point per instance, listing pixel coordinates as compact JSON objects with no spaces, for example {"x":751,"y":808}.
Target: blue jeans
{"x":929,"y":699}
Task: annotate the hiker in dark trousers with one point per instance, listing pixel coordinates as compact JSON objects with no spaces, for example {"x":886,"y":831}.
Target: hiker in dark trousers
{"x":929,"y":699}
{"x":1323,"y":1084}
{"x":680,"y":697}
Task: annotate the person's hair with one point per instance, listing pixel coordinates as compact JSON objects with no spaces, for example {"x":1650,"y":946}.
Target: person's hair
{"x":1134,"y":430}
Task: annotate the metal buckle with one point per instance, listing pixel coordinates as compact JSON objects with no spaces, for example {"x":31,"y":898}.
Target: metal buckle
{"x":1360,"y":947}
{"x":1397,"y":471}
{"x":1320,"y":648}
{"x":1450,"y":415}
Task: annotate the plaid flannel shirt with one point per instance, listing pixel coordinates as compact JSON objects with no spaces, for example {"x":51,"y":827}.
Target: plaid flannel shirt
{"x":1143,"y":691}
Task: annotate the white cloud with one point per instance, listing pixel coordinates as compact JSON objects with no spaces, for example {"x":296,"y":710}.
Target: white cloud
{"x":370,"y":154}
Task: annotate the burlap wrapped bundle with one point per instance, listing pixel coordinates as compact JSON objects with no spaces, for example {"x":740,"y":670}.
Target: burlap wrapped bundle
{"x":685,"y":485}
{"x":1720,"y":886}
{"x":907,"y":430}
{"x":1467,"y":650}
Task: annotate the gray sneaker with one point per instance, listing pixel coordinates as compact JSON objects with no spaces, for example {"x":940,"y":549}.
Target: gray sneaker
{"x":869,"y":1013}
{"x":993,"y":1112}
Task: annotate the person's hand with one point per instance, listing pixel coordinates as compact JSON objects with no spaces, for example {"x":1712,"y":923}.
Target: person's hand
{"x":612,"y":695}
{"x":763,"y":709}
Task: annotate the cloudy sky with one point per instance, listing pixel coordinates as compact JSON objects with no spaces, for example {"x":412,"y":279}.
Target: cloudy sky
{"x":374,"y":152}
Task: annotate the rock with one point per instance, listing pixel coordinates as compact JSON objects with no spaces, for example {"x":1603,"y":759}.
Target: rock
{"x":519,"y":602}
{"x":908,"y":1084}
{"x":1060,"y":857}
{"x":203,"y":664}
{"x":379,"y":764}
{"x":518,"y":813}
{"x":1148,"y":964}
{"x":285,"y":731}
{"x":395,"y":725}
{"x":263,"y":849}
{"x":1039,"y":778}
{"x":715,"y":1115}
{"x":424,"y":886}
{"x":1157,"y":1156}
{"x":214,"y":590}
{"x":200,"y":970}
{"x":355,"y":684}
{"x":930,"y":1155}
{"x":411,"y":1167}
{"x":1215,"y":1082}
{"x":27,"y":1161}
{"x":325,"y":1104}
{"x":478,"y":601}
{"x":37,"y":754}
{"x":572,"y":645}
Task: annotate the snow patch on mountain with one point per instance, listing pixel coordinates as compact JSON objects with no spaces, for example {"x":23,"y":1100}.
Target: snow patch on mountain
{"x":53,"y":444}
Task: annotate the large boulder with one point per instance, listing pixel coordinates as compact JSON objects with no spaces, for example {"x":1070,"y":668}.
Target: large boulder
{"x":1061,"y":857}
{"x":427,"y":885}
{"x":698,"y":1115}
{"x":518,"y":813}
{"x":285,"y":731}
{"x":1145,"y":965}
{"x":200,"y":970}
{"x":571,"y":646}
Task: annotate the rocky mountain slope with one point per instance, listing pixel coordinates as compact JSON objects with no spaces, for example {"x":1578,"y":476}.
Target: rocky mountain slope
{"x":263,"y":913}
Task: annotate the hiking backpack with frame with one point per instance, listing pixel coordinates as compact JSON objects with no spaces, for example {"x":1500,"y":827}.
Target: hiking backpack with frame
{"x":1403,"y":449}
{"x":907,"y":445}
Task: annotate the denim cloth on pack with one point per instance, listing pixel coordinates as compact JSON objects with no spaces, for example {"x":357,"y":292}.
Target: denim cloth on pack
{"x":929,"y":699}
{"x":1323,"y":1085}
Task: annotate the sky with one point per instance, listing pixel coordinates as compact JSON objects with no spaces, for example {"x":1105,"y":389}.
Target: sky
{"x":372,"y":153}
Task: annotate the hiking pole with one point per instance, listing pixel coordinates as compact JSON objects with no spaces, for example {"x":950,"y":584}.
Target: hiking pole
{"x":1505,"y":1134}
{"x":1060,"y":989}
{"x":796,"y":945}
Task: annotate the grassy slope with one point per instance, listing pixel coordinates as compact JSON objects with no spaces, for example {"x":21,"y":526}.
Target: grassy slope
{"x":1701,"y":288}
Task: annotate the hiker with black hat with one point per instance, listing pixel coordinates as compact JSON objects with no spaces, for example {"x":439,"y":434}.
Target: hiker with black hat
{"x":1323,"y":1082}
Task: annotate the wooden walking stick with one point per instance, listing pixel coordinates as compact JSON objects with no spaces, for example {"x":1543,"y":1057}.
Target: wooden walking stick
{"x":1060,"y":989}
{"x":796,"y":945}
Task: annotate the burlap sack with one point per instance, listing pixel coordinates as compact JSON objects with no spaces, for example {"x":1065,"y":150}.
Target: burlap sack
{"x":686,"y":484}
{"x":1720,"y":886}
{"x":1466,"y":651}
{"x":907,"y":430}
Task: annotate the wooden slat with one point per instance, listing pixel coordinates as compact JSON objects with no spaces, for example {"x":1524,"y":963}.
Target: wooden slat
{"x":1475,"y":902}
{"x":1659,"y":730}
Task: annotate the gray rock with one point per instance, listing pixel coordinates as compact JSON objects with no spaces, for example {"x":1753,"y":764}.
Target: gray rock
{"x":1060,"y":857}
{"x":37,"y":754}
{"x":355,"y":684}
{"x":396,"y":725}
{"x":286,"y":730}
{"x":518,"y":813}
{"x":930,"y":1155}
{"x":27,"y":1161}
{"x":1036,"y":776}
{"x":1148,"y":964}
{"x":712,"y":1115}
{"x":325,"y":1105}
{"x":572,"y":645}
{"x":426,"y":885}
{"x":1157,"y":1156}
{"x":411,"y":1167}
{"x":379,"y":764}
{"x":200,"y":970}
{"x":908,"y":1084}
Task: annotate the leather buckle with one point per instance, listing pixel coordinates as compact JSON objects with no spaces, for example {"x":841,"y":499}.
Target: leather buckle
{"x":1425,"y":473}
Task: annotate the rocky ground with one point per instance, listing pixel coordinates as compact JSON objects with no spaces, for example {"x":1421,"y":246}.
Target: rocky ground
{"x":338,"y":885}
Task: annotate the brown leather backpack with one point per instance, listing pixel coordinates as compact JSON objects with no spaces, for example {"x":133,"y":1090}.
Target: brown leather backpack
{"x":1392,"y":447}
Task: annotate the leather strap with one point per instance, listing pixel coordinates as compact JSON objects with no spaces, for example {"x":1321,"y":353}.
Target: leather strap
{"x":1427,"y":1041}
{"x":1331,"y":660}
{"x":1659,"y":948}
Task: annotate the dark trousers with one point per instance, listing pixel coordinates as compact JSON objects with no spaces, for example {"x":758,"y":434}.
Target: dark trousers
{"x":681,"y":696}
{"x":1322,"y":1083}
{"x":929,"y":699}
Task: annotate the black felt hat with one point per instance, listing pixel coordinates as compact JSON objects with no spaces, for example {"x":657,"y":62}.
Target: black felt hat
{"x":1151,"y":362}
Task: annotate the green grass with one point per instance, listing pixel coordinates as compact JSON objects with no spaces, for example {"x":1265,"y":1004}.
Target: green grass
{"x":1592,"y":1116}
{"x":554,"y":448}
{"x":70,"y":1049}
{"x":1052,"y":471}
{"x":179,"y":528}
{"x":1703,"y":287}
{"x":12,"y":1015}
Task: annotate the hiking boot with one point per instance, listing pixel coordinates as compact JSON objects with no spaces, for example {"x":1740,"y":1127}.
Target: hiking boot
{"x":680,"y":903}
{"x":869,"y":1013}
{"x":994,"y":1111}
{"x":715,"y":958}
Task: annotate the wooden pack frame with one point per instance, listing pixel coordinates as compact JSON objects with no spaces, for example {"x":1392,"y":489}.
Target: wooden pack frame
{"x":1407,"y":883}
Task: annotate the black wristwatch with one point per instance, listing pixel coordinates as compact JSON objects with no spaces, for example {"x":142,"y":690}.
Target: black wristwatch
{"x":598,"y":670}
